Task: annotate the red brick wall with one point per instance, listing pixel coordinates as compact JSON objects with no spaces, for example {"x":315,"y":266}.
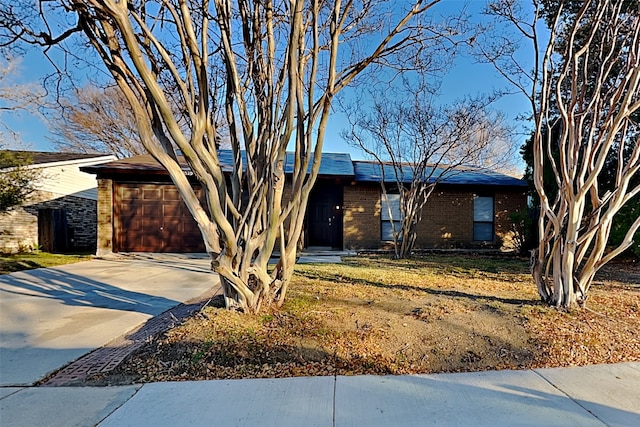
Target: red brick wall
{"x":506,"y":203}
{"x":447,"y":218}
{"x":361,"y":216}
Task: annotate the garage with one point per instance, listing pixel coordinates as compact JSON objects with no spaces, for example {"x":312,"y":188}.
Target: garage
{"x":140,"y":209}
{"x":153,"y":218}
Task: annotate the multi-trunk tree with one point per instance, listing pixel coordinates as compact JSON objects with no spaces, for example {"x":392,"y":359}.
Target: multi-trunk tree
{"x":272,"y":68}
{"x":418,"y":142}
{"x":585,"y":95}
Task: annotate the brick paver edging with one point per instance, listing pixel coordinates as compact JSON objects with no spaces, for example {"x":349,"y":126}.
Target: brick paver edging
{"x":107,"y":357}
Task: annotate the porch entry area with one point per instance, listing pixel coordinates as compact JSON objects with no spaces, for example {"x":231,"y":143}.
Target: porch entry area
{"x":324,"y":216}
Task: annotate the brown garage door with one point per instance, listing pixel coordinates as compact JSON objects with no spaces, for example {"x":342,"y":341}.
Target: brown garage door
{"x":153,"y":218}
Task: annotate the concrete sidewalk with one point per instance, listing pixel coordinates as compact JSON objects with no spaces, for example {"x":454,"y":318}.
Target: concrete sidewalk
{"x":585,"y":396}
{"x":50,"y":317}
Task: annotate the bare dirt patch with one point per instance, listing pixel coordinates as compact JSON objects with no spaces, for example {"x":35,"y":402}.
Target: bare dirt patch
{"x":375,"y":315}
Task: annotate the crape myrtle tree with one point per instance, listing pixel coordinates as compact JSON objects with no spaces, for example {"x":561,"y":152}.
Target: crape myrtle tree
{"x":418,"y":142}
{"x":626,"y":216}
{"x":585,"y":95}
{"x":623,"y":219}
{"x":272,"y":67}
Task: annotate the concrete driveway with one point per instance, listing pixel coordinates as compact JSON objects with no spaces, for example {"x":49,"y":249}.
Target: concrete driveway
{"x":51,"y":316}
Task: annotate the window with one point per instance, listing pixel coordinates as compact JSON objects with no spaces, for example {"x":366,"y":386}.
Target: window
{"x":482,"y":218}
{"x":390,"y":221}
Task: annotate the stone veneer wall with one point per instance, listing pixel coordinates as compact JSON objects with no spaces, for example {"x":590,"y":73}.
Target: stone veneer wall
{"x":19,"y":227}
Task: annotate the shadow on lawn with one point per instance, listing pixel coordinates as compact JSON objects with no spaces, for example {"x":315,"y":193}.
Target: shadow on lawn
{"x":12,"y":266}
{"x":447,"y":263}
{"x":442,"y":292}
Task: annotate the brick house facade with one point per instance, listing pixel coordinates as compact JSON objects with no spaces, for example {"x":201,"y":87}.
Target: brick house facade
{"x":447,"y":218}
{"x":344,"y":212}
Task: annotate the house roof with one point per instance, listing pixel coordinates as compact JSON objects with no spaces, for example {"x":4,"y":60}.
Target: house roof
{"x":142,"y":164}
{"x":332,"y":165}
{"x":45,"y":157}
{"x":369,"y":171}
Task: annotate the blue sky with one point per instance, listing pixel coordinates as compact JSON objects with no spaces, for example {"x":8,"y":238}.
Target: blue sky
{"x":466,"y":77}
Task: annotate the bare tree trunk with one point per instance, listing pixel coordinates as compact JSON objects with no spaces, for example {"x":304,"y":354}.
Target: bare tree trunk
{"x":423,"y":145}
{"x":599,"y":44}
{"x":271,"y":68}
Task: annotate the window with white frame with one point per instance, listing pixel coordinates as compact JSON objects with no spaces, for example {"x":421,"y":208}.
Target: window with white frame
{"x":390,"y":218}
{"x":482,"y":218}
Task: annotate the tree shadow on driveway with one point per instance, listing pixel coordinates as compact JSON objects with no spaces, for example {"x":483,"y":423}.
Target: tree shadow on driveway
{"x":76,"y":290}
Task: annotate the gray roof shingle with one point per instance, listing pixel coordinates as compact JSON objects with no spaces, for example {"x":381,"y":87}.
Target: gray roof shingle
{"x":368,"y":171}
{"x":333,"y":165}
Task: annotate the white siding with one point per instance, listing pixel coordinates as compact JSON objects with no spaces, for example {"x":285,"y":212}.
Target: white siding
{"x":66,"y":179}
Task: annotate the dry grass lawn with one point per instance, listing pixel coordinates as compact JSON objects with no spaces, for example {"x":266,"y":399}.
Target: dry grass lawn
{"x":376,"y":315}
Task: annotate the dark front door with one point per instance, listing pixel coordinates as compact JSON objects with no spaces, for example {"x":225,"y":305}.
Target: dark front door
{"x":324,"y":219}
